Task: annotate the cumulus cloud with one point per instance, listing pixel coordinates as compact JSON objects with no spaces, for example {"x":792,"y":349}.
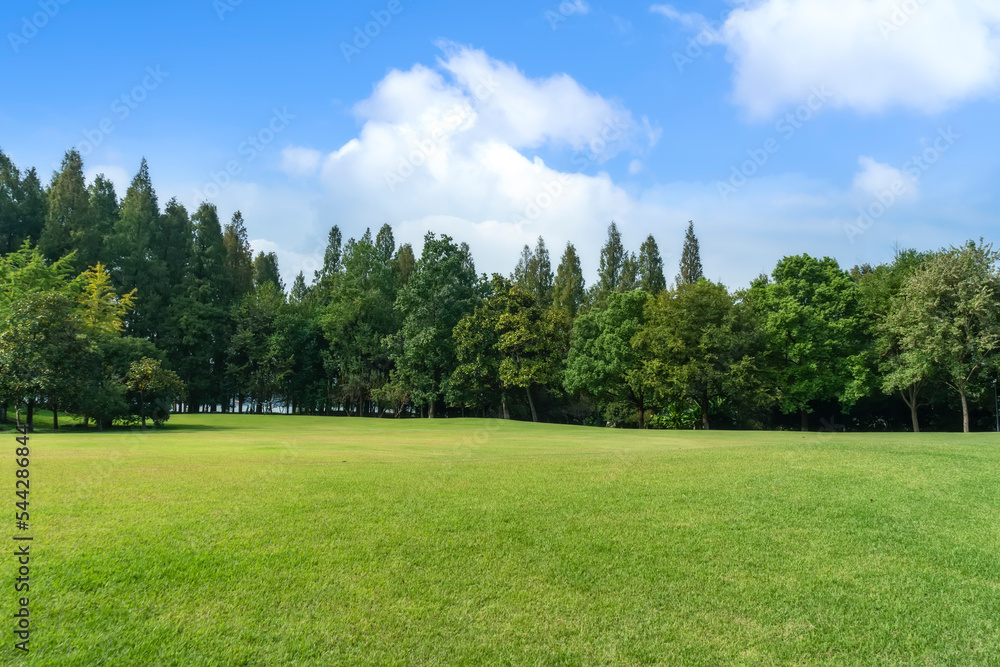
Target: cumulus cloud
{"x":452,"y":148}
{"x":879,"y":180}
{"x":874,"y":54}
{"x":300,"y":161}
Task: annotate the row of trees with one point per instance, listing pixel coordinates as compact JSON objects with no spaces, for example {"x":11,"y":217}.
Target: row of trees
{"x":200,"y":322}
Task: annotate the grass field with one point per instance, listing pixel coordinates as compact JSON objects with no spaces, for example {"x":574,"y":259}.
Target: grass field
{"x":225,"y":540}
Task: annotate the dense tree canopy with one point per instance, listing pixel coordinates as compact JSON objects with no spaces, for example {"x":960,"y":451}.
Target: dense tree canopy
{"x":123,"y":312}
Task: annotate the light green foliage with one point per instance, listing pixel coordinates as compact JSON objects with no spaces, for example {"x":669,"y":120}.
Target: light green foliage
{"x":881,"y":365}
{"x":946,"y":318}
{"x":44,"y":351}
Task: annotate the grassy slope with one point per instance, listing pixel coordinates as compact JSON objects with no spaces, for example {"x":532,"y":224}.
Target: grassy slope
{"x":276,"y":540}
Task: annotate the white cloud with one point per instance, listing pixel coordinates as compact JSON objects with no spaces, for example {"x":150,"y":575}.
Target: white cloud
{"x":450,"y":149}
{"x":874,"y":54}
{"x":634,"y":167}
{"x":300,"y":161}
{"x":878,"y":180}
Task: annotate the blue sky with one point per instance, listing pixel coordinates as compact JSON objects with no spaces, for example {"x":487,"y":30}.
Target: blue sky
{"x":833,"y":127}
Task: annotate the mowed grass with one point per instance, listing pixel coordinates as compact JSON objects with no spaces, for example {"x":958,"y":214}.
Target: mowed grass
{"x":271,"y":540}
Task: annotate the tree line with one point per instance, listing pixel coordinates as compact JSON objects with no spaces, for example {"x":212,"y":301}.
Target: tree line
{"x":121,"y":312}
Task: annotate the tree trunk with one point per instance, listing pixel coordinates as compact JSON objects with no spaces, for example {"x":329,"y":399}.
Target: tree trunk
{"x":805,"y":419}
{"x":965,"y":411}
{"x":911,"y":402}
{"x":430,"y":410}
{"x":30,"y":417}
{"x":55,"y":418}
{"x":142,"y":409}
{"x":531,"y":404}
{"x":704,"y":411}
{"x":3,"y":412}
{"x":506,"y":409}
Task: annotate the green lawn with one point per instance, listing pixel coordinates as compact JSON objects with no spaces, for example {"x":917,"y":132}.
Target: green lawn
{"x":225,"y":540}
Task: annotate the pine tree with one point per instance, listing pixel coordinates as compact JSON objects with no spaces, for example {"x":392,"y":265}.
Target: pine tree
{"x":385,"y":244}
{"x":299,"y":292}
{"x":104,"y":212}
{"x":22,"y":206}
{"x":331,"y":258}
{"x":568,"y":292}
{"x":265,"y":270}
{"x":31,"y":207}
{"x":609,"y":274}
{"x":691,"y":271}
{"x":651,"y":278}
{"x":405,"y":260}
{"x":239,"y":258}
{"x":177,"y":237}
{"x":630,"y":274}
{"x":534,"y":272}
{"x":68,"y":221}
{"x":199,"y":325}
{"x":137,"y":253}
{"x":10,"y":184}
